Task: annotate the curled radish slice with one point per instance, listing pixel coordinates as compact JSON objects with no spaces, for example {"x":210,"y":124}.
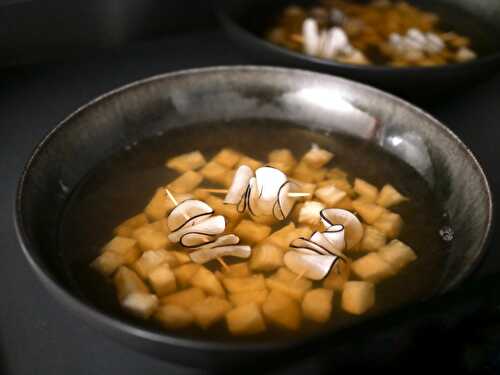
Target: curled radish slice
{"x":307,"y":246}
{"x":284,"y":204}
{"x":188,"y":213}
{"x":224,"y":246}
{"x":239,"y":185}
{"x":211,"y":226}
{"x":269,"y":182}
{"x":352,"y":226}
{"x":311,"y":266}
{"x":195,"y":240}
{"x":335,"y":235}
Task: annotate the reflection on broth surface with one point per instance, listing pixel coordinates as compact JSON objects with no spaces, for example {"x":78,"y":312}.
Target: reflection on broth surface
{"x":122,"y":186}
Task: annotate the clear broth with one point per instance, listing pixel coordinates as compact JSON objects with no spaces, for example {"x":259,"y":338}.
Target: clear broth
{"x":122,"y":185}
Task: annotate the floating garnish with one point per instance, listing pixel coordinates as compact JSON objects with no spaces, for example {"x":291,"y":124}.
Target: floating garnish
{"x":331,"y":217}
{"x":193,"y":226}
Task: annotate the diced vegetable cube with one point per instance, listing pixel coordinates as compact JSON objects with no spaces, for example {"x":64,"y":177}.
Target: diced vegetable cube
{"x":317,"y":157}
{"x":263,"y":219}
{"x":309,"y":213}
{"x":186,"y":162}
{"x":291,"y":289}
{"x":303,"y":231}
{"x":185,"y":298}
{"x":184,"y":273}
{"x":306,"y":187}
{"x":107,"y":263}
{"x":305,"y":173}
{"x":282,"y":311}
{"x":244,"y":284}
{"x":237,"y":270}
{"x":186,"y":182}
{"x":390,"y":223}
{"x":201,"y":194}
{"x":181,"y":256}
{"x":330,"y":195}
{"x":266,"y":257}
{"x":126,"y":281}
{"x":126,"y":228}
{"x":282,"y":237}
{"x":342,"y":184}
{"x":372,"y":267}
{"x":345,"y":204}
{"x":337,"y":278}
{"x":245,"y":320}
{"x":317,"y":305}
{"x":358,"y":297}
{"x":126,"y":247}
{"x":214,"y":172}
{"x":367,"y":191}
{"x":336,"y":173}
{"x":227,"y":158}
{"x":397,"y":254}
{"x":149,"y":260}
{"x":206,"y":280}
{"x":209,"y":311}
{"x":369,"y":212}
{"x":141,"y":305}
{"x":284,"y":158}
{"x":373,"y":239}
{"x":255,"y":296}
{"x":162,"y":279}
{"x":159,"y":205}
{"x":149,"y":238}
{"x":389,"y":197}
{"x":251,"y":232}
{"x":284,"y":274}
{"x":249,"y":162}
{"x":174,"y":317}
{"x":230,"y":212}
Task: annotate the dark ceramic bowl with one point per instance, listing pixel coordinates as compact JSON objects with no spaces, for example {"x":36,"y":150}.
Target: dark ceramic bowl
{"x":156,"y":105}
{"x":246,"y":20}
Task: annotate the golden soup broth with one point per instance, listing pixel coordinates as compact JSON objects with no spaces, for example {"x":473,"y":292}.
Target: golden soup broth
{"x":121,"y":186}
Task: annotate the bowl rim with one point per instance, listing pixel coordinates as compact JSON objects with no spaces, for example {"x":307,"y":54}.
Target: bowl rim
{"x":229,"y":22}
{"x":93,"y":316}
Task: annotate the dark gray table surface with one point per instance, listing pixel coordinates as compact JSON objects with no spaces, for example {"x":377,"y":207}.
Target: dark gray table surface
{"x":37,"y":335}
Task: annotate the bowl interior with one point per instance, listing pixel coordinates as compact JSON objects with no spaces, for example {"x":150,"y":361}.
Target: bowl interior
{"x":229,"y":96}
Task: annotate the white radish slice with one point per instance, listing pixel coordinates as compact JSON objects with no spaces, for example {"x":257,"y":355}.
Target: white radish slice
{"x":207,"y":254}
{"x":310,"y":34}
{"x":284,"y":204}
{"x":190,"y":211}
{"x":239,"y":185}
{"x":252,"y":199}
{"x":195,"y":240}
{"x":353,"y":229}
{"x":335,"y":235}
{"x":212,"y":226}
{"x":269,"y":182}
{"x":314,"y":267}
{"x":305,"y":245}
{"x":228,"y":239}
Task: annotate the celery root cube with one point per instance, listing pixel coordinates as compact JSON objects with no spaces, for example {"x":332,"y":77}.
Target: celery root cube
{"x":174,"y":317}
{"x":309,"y":213}
{"x":186,"y":182}
{"x":141,"y":305}
{"x":373,"y":239}
{"x":255,"y":296}
{"x":126,"y":282}
{"x":367,"y":191}
{"x":317,"y":305}
{"x":397,"y":254}
{"x":158,"y":205}
{"x":184,"y":273}
{"x":126,"y":228}
{"x":181,"y":257}
{"x":266,"y":257}
{"x":282,"y":311}
{"x":227,"y":158}
{"x":358,"y":297}
{"x":209,"y":311}
{"x":244,"y":284}
{"x":149,"y":260}
{"x":372,"y":267}
{"x":251,"y":232}
{"x":282,"y":158}
{"x":305,"y":173}
{"x":336,"y":173}
{"x":337,"y":278}
{"x":317,"y":157}
{"x":286,"y":282}
{"x":186,"y":162}
{"x":369,"y":212}
{"x":237,"y":270}
{"x":250,"y":162}
{"x":185,"y":298}
{"x":207,"y":281}
{"x":389,"y":223}
{"x":330,"y":195}
{"x":282,"y":237}
{"x":150,"y":238}
{"x":107,"y":263}
{"x":245,"y":320}
{"x":214,"y":172}
{"x":126,"y":247}
{"x":162,"y":279}
{"x":389,"y":197}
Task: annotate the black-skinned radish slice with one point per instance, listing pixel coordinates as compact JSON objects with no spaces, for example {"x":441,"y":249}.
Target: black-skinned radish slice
{"x":224,"y":246}
{"x":188,"y":212}
{"x":335,"y":235}
{"x":352,"y":226}
{"x":239,"y":185}
{"x":311,"y":266}
{"x":212,"y":226}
